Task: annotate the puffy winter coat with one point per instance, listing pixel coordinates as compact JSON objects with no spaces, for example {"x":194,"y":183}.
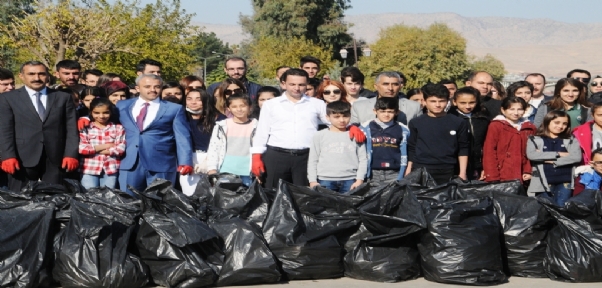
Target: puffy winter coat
{"x":504,"y":152}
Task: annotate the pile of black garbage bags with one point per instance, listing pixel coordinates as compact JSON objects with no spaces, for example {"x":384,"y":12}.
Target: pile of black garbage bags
{"x":459,"y":233}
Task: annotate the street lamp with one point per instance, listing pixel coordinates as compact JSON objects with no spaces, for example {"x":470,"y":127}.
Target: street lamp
{"x":226,"y":55}
{"x":205,"y":65}
{"x":366,"y":51}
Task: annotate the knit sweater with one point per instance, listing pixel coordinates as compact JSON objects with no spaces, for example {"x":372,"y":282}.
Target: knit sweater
{"x":333,"y":156}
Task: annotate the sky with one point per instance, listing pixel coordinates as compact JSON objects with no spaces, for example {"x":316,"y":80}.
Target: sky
{"x":582,"y":11}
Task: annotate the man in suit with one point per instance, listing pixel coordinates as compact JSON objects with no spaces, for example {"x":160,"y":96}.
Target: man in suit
{"x":387,"y":84}
{"x":38,"y":133}
{"x":157,"y":137}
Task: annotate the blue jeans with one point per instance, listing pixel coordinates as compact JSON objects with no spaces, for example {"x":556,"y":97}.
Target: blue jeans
{"x":246,"y":180}
{"x":93,"y":181}
{"x":341,"y":186}
{"x":560,"y":192}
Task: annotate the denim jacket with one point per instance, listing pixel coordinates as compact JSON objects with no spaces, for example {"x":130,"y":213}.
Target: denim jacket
{"x":403,"y":147}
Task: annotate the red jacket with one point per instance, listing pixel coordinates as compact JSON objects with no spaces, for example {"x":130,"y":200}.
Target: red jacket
{"x":505,"y":150}
{"x":583,"y":133}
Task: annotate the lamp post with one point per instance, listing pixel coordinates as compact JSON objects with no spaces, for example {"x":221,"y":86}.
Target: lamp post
{"x":205,"y":65}
{"x":366,"y":51}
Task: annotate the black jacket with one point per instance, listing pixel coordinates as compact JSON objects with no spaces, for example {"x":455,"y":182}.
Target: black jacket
{"x":477,"y":128}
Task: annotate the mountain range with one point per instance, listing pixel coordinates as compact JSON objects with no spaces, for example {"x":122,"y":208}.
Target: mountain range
{"x":523,"y":45}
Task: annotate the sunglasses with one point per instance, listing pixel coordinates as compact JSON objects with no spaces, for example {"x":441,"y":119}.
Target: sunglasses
{"x":596,"y":83}
{"x":584,"y":80}
{"x":335,"y":92}
{"x":229,"y":92}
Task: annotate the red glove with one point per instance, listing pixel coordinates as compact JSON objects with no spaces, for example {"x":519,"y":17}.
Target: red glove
{"x":257,"y":166}
{"x":185,"y":169}
{"x":10,"y":165}
{"x":82,"y":123}
{"x":70,"y":164}
{"x":357,"y":134}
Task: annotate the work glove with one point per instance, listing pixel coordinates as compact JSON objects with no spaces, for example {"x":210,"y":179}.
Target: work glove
{"x":257,"y":166}
{"x":10,"y":165}
{"x":185,"y":169}
{"x":70,"y":164}
{"x":82,"y":123}
{"x":357,"y":134}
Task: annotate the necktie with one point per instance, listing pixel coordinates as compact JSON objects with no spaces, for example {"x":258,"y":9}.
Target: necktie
{"x":141,"y":116}
{"x":40,"y":106}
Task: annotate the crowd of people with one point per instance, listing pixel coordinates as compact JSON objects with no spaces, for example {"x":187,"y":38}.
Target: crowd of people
{"x":333,"y":133}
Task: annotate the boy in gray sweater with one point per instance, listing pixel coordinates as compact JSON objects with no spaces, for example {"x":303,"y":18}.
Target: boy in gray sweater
{"x":336,"y":162}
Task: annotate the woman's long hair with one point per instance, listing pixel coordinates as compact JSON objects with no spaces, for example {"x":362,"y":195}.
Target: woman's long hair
{"x":557,"y":104}
{"x":209,"y":114}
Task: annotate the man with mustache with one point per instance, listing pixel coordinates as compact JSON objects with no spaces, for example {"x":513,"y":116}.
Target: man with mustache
{"x":67,"y":71}
{"x":38,"y":133}
{"x":157,"y":137}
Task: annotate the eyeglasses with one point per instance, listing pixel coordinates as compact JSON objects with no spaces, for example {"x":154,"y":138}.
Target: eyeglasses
{"x":596,"y":84}
{"x":584,"y":80}
{"x":229,"y":92}
{"x":335,"y":92}
{"x":597,"y":163}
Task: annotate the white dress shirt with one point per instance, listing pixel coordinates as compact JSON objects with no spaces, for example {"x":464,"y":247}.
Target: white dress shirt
{"x":151,"y":110}
{"x":32,"y":97}
{"x":289,"y":125}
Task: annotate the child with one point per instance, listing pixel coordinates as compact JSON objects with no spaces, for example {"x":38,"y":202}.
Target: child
{"x":386,"y":143}
{"x":467,"y":105}
{"x":264,"y":94}
{"x":85,"y":98}
{"x":201,"y":115}
{"x":504,"y":152}
{"x":590,"y":133}
{"x":438,"y":141}
{"x":336,"y":162}
{"x":591,"y":175}
{"x":230,"y":146}
{"x":101,"y":145}
{"x":553,"y":152}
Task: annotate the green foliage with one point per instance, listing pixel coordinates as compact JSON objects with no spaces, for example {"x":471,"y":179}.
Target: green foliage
{"x":490,"y":64}
{"x":10,"y":9}
{"x":423,"y":55}
{"x":318,"y":21}
{"x":216,"y":75}
{"x":204,"y":44}
{"x":268,"y":53}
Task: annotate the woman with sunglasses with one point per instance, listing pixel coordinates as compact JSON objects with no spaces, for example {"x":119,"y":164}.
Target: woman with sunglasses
{"x":331,"y":90}
{"x":227,"y":88}
{"x":594,"y":86}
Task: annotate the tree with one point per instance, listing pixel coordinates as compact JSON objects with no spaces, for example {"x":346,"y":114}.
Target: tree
{"x":10,"y":9}
{"x":204,"y":44}
{"x":160,"y":31}
{"x":269,"y":52}
{"x":490,"y":64}
{"x":69,"y":29}
{"x":318,"y":21}
{"x":423,"y":55}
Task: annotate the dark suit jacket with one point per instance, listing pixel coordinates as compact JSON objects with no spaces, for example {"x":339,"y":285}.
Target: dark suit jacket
{"x":161,"y":146}
{"x":23,"y":135}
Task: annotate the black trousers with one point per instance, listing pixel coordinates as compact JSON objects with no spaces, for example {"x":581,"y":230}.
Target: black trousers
{"x":285,"y":166}
{"x":45,"y":171}
{"x":441,"y":176}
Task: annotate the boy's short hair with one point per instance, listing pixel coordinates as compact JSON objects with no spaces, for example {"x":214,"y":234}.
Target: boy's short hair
{"x":314,"y":83}
{"x":309,"y":59}
{"x":596,"y":151}
{"x":434,"y":90}
{"x":6,"y":74}
{"x":353,"y":72}
{"x":68,"y":64}
{"x":268,"y":89}
{"x":338,"y":107}
{"x":384,"y":103}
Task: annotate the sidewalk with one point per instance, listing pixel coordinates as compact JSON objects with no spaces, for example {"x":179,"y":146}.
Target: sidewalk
{"x":514,"y":282}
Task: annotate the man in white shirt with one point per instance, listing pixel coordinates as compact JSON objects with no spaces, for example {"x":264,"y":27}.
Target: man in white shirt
{"x":285,"y":131}
{"x":539,"y":83}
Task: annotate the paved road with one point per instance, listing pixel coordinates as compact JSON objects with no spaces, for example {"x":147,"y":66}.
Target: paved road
{"x":517,"y":282}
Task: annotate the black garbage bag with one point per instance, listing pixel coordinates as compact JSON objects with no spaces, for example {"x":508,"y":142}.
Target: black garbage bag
{"x":248,"y":203}
{"x":574,"y":251}
{"x":248,"y":260}
{"x":393,"y":217}
{"x":179,"y":249}
{"x":462,"y":243}
{"x":419,"y":177}
{"x":437,"y":194}
{"x":385,"y":258}
{"x":25,"y":240}
{"x":302,"y":228}
{"x":93,"y":251}
{"x":525,"y":224}
{"x":507,"y":187}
